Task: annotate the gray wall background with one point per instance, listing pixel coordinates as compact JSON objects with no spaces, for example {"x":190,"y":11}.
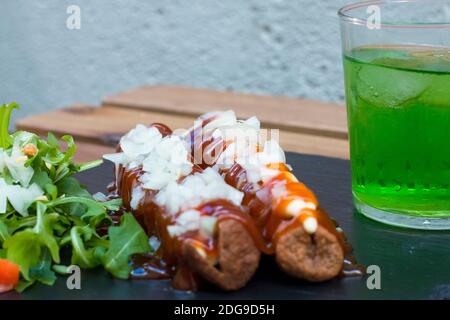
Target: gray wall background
{"x":278,"y":47}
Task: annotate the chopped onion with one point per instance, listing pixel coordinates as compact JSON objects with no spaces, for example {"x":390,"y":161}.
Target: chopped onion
{"x":208,"y":225}
{"x":254,"y":122}
{"x":175,"y":230}
{"x":190,"y":220}
{"x":187,"y":221}
{"x":279,"y":189}
{"x":220,"y":119}
{"x":116,"y":158}
{"x":167,"y":163}
{"x":16,"y":165}
{"x":137,"y":196}
{"x":100,"y":197}
{"x":135,"y":145}
{"x":195,"y":190}
{"x":140,"y":141}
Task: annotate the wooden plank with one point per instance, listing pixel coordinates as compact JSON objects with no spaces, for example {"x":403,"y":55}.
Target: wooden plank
{"x":314,"y":145}
{"x":96,"y":125}
{"x":304,"y":116}
{"x":89,"y":151}
{"x":104,"y":126}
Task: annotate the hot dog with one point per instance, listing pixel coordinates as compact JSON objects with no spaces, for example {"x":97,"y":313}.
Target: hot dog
{"x":197,"y":220}
{"x":306,"y":243}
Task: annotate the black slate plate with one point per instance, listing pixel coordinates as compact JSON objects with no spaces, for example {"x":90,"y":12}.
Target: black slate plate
{"x":414,"y":264}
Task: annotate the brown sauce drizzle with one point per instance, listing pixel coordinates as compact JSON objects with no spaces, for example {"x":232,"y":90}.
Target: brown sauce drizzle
{"x":163,"y":129}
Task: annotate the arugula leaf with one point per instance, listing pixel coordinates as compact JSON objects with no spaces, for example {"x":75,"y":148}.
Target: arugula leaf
{"x":125,"y":240}
{"x":23,"y":285}
{"x":93,"y":212}
{"x":24,"y":249}
{"x":42,"y":179}
{"x":4,"y":233}
{"x":71,"y":148}
{"x":112,"y":205}
{"x":85,"y":258}
{"x":42,"y":272}
{"x":16,"y":223}
{"x":61,"y":269}
{"x":54,"y":155}
{"x":43,"y":228}
{"x":70,"y":187}
{"x":5,"y":117}
{"x":89,"y":165}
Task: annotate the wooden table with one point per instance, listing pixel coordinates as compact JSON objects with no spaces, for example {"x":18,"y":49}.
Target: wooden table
{"x":306,"y":126}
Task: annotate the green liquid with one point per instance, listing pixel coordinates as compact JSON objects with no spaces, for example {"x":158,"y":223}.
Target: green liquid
{"x":398,"y":102}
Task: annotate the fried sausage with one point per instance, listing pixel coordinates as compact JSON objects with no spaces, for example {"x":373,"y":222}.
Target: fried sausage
{"x":317,"y":257}
{"x":238,"y":257}
{"x":227,"y":259}
{"x":302,"y":237}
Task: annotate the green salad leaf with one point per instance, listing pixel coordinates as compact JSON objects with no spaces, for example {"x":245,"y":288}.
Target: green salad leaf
{"x":24,"y":249}
{"x":125,"y":240}
{"x":43,"y":272}
{"x":5,"y":117}
{"x":44,"y":210}
{"x":4,"y":233}
{"x":44,"y":228}
{"x":82,"y":256}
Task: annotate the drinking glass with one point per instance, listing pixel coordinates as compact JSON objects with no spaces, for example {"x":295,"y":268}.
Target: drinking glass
{"x":397,"y":80}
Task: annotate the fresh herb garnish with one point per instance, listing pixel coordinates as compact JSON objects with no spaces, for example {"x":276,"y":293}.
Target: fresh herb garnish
{"x":44,"y":209}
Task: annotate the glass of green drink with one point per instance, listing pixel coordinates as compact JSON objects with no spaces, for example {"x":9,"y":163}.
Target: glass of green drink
{"x":397,"y":79}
